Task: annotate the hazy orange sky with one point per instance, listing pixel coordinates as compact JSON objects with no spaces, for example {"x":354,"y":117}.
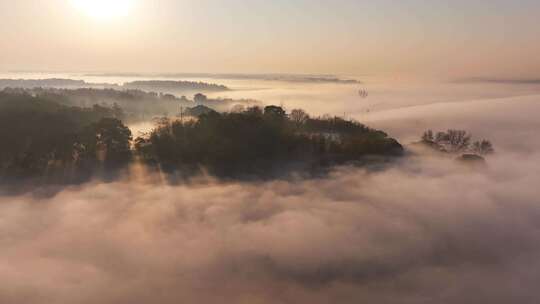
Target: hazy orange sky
{"x":426,"y":37}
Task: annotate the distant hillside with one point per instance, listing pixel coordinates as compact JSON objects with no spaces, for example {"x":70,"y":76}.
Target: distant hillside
{"x":138,"y":105}
{"x":160,"y":86}
{"x":523,"y":81}
{"x":44,"y":83}
{"x":264,"y":77}
{"x":174,"y":86}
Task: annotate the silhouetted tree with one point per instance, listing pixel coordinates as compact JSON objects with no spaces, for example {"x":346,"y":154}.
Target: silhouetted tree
{"x":238,"y":108}
{"x":441,"y":137}
{"x":200,"y":98}
{"x":483,"y":147}
{"x":109,"y":140}
{"x":428,"y":136}
{"x":454,"y":140}
{"x":274,"y":113}
{"x":198,"y":111}
{"x":457,"y":141}
{"x":254,"y":111}
{"x":299,"y":117}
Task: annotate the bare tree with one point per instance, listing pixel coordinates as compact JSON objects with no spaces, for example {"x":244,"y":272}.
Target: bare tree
{"x":459,"y":140}
{"x":454,"y":140}
{"x":428,"y":136}
{"x":441,"y":137}
{"x":483,"y":147}
{"x":299,"y":117}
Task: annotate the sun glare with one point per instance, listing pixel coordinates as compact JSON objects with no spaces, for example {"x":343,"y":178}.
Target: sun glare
{"x":104,"y":9}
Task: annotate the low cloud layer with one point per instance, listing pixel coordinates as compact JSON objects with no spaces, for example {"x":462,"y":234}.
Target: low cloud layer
{"x":425,"y":231}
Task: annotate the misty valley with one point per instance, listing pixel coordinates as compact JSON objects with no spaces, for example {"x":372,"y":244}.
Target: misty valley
{"x":267,"y":195}
{"x":269,"y":152}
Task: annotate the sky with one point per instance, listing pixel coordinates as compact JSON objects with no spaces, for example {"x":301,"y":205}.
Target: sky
{"x":458,"y":38}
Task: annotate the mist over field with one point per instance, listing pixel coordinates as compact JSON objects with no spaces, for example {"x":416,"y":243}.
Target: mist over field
{"x":422,"y":229}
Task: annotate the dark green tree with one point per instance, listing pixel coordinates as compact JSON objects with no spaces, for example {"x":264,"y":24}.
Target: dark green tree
{"x":107,"y":140}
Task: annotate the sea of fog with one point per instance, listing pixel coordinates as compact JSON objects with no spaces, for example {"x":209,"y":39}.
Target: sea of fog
{"x":425,"y":229}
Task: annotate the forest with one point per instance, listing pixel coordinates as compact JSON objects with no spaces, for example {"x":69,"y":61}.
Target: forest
{"x":41,"y":137}
{"x":45,"y":137}
{"x":137,"y":105}
{"x":259,"y":141}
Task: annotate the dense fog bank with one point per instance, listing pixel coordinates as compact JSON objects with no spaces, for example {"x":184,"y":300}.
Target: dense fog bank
{"x":428,"y":230}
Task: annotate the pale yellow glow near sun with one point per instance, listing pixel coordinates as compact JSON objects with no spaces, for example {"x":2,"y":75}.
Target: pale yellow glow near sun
{"x":104,"y":9}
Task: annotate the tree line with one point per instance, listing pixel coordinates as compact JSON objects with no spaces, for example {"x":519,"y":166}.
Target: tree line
{"x":137,"y":105}
{"x":40,"y":137}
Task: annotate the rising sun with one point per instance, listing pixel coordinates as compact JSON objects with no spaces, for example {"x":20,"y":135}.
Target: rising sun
{"x":104,"y":9}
